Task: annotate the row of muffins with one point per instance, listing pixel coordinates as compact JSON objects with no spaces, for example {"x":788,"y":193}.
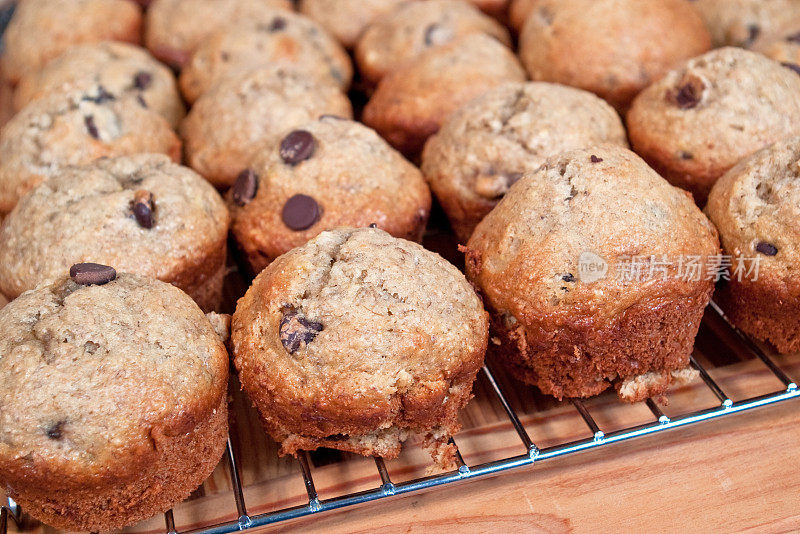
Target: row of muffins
{"x":356,"y":339}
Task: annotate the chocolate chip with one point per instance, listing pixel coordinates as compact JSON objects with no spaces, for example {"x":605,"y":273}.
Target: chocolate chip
{"x":56,"y":430}
{"x":277,"y":24}
{"x":297,"y":331}
{"x":88,"y":274}
{"x":245,"y":187}
{"x":793,"y":66}
{"x":688,"y":95}
{"x":595,"y":159}
{"x":91,"y":127}
{"x":430,"y":33}
{"x":685,"y":155}
{"x":142,"y":80}
{"x":569,"y":277}
{"x":768,"y":249}
{"x":298,"y":146}
{"x":141,"y":100}
{"x":300,"y":212}
{"x":373,"y":225}
{"x":143,"y":208}
{"x":753,"y":31}
{"x":794,"y":38}
{"x":101,"y":96}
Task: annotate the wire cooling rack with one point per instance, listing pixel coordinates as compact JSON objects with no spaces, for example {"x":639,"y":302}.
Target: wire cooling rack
{"x":530,"y":454}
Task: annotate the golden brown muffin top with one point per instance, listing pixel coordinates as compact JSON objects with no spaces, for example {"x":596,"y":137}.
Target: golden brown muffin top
{"x":532,"y":256}
{"x":93,"y":376}
{"x":756,"y":207}
{"x":141,"y":214}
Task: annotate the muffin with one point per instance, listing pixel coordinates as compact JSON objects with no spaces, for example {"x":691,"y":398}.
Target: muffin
{"x":782,"y":46}
{"x":357,"y":340}
{"x":141,"y":214}
{"x":741,"y":22}
{"x":113,"y":406}
{"x":411,"y":103}
{"x":286,"y":39}
{"x":325,"y":174}
{"x":41,"y":30}
{"x":413,"y":28}
{"x":346,"y":19}
{"x":558,"y":37}
{"x":74,"y":128}
{"x":584,"y":269}
{"x":125,"y":70}
{"x":739,"y":99}
{"x":175,"y":28}
{"x":756,"y":207}
{"x":230,"y":123}
{"x":489,"y":143}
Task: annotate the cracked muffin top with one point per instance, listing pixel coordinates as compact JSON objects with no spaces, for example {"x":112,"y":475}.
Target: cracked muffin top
{"x":488,"y":144}
{"x":175,"y":28}
{"x":141,"y":214}
{"x":91,"y":374}
{"x":756,"y":207}
{"x":405,"y":32}
{"x":283,"y":39}
{"x":742,"y":22}
{"x":124,"y":70}
{"x":741,"y":100}
{"x":346,"y":19}
{"x":75,"y":128}
{"x":41,"y":30}
{"x":325,"y":174}
{"x":356,"y":326}
{"x":230,"y":123}
{"x":595,"y":206}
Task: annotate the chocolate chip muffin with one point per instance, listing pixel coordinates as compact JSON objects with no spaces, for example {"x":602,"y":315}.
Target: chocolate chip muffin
{"x":558,"y":37}
{"x":73,"y":128}
{"x":325,"y":174}
{"x":756,"y":207}
{"x":346,"y":19}
{"x":141,"y":214}
{"x":410,"y":29}
{"x":175,"y":28}
{"x":230,"y":123}
{"x":489,"y":143}
{"x":356,"y":340}
{"x":41,"y":30}
{"x":113,"y":406}
{"x":705,"y":116}
{"x":411,"y":103}
{"x":286,"y":39}
{"x":122,"y":69}
{"x":741,"y":22}
{"x":583,"y":267}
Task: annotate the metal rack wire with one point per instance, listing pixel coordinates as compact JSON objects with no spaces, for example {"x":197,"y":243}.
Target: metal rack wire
{"x":529,"y":455}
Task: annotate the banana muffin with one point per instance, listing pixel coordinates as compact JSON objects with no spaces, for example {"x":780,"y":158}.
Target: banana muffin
{"x":756,"y":207}
{"x":741,"y":22}
{"x":583,"y":267}
{"x":74,"y":128}
{"x":230,"y":123}
{"x":702,"y":118}
{"x":346,"y":19}
{"x":175,"y":28}
{"x":113,"y":405}
{"x":357,"y":340}
{"x":489,"y":143}
{"x":558,"y":37}
{"x":41,"y":30}
{"x":124,"y":70}
{"x":285,"y":39}
{"x":404,"y":33}
{"x":141,"y":214}
{"x":323,"y":175}
{"x":411,"y":103}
